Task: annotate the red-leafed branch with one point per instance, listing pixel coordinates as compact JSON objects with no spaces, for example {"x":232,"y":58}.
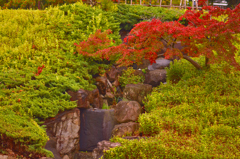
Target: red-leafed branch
{"x":204,"y":35}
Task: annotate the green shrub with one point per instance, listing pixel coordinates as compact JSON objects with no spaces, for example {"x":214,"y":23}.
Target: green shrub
{"x":185,"y":131}
{"x":105,"y":106}
{"x":38,"y":66}
{"x":205,"y":86}
{"x":108,"y":5}
{"x":170,"y":145}
{"x":129,"y":15}
{"x":198,"y":117}
{"x":128,"y":77}
{"x":12,"y":123}
{"x":165,"y":145}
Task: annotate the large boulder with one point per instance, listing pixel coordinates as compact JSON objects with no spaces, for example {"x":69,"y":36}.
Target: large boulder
{"x":137,"y":92}
{"x":154,"y":77}
{"x":126,"y":111}
{"x":96,"y":125}
{"x":125,"y":129}
{"x":64,"y":129}
{"x":161,"y":63}
{"x":101,"y":146}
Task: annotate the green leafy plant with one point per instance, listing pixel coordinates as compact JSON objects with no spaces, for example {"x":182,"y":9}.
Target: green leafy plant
{"x":108,"y":5}
{"x":129,"y":15}
{"x":38,"y":66}
{"x":105,"y":106}
{"x":128,"y":77}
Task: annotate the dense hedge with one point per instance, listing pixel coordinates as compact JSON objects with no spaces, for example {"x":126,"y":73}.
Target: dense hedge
{"x":38,"y":66}
{"x":129,"y":15}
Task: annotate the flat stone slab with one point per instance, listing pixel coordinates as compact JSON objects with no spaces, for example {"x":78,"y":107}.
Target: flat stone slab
{"x":96,"y":125}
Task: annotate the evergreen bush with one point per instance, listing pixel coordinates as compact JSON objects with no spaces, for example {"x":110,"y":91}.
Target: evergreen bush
{"x":38,"y":66}
{"x":197,"y":117}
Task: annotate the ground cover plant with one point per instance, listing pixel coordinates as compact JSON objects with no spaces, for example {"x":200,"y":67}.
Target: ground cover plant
{"x":196,"y":114}
{"x":38,"y":66}
{"x":128,"y":77}
{"x":197,"y":117}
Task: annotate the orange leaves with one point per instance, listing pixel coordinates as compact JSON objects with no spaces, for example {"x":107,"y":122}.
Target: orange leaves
{"x":39,"y":70}
{"x":95,"y":42}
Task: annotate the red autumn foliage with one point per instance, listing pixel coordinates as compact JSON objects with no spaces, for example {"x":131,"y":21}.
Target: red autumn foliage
{"x":202,"y":36}
{"x":39,"y":70}
{"x":95,"y":42}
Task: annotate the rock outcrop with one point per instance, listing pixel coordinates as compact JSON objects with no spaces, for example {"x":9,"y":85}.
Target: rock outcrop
{"x":125,"y":129}
{"x":154,"y":77}
{"x":65,"y":129}
{"x":137,"y":92}
{"x":127,"y":111}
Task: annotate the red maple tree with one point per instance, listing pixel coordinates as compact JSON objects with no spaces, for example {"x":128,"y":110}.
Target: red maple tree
{"x":204,"y":35}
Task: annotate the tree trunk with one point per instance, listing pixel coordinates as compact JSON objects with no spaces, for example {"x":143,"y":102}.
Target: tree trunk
{"x":192,"y":62}
{"x":206,"y":62}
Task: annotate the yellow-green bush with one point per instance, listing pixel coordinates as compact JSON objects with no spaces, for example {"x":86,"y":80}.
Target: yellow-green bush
{"x":168,"y":144}
{"x":128,"y":77}
{"x":30,"y":39}
{"x":197,"y":116}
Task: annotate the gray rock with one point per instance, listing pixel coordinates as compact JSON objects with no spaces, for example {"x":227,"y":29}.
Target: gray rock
{"x":154,"y":77}
{"x":137,"y":92}
{"x":125,"y":129}
{"x":64,"y":129}
{"x":96,"y":125}
{"x":101,"y":146}
{"x":161,"y":63}
{"x":127,"y":111}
